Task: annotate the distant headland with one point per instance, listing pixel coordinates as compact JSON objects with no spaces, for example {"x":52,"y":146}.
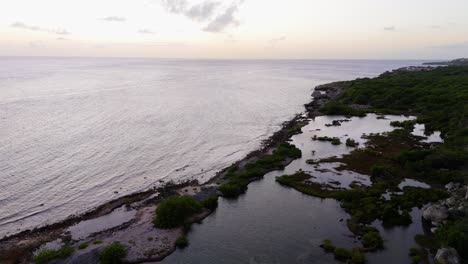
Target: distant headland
{"x":456,"y":62}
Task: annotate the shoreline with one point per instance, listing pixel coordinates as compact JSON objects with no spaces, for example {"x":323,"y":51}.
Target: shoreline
{"x":19,"y":247}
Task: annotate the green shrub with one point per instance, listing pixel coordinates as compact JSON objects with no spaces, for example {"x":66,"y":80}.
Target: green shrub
{"x":182,"y":242}
{"x":351,"y":143}
{"x":357,"y":256}
{"x":112,"y":254}
{"x":342,"y":254}
{"x":210,"y":202}
{"x":240,"y":178}
{"x":416,"y":259}
{"x":47,"y":255}
{"x":372,"y":240}
{"x":377,"y":171}
{"x":336,"y":141}
{"x":408,"y":124}
{"x":455,"y":234}
{"x":97,"y":242}
{"x":82,"y":245}
{"x":233,"y":188}
{"x":175,"y":210}
{"x":327,"y":245}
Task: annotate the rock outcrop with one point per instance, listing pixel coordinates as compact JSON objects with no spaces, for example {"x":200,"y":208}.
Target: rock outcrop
{"x":447,"y":256}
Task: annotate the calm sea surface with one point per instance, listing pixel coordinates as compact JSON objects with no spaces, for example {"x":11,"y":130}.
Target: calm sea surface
{"x":77,"y":132}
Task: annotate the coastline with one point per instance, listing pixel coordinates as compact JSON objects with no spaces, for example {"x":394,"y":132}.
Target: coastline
{"x":20,"y":246}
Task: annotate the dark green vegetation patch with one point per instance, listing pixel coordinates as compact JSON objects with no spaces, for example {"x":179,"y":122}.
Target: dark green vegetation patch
{"x":112,"y":254}
{"x":46,"y":255}
{"x":175,"y":210}
{"x":238,"y":179}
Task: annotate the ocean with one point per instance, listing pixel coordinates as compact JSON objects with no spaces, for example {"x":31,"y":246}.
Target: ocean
{"x":77,"y":132}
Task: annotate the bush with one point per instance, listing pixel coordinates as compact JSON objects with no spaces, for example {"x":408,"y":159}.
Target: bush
{"x":97,"y":242}
{"x":182,"y":242}
{"x":336,"y":141}
{"x":377,"y":171}
{"x":240,"y":178}
{"x":351,"y":143}
{"x":372,"y":240}
{"x":415,"y":259}
{"x":455,"y":235}
{"x":233,"y":188}
{"x":47,"y":255}
{"x":82,"y":245}
{"x":112,"y":254}
{"x":342,"y":254}
{"x":357,"y":256}
{"x":210,"y":202}
{"x":175,"y":210}
{"x":327,"y":245}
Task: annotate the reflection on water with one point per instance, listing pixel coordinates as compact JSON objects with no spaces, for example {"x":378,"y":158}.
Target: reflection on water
{"x":117,"y":217}
{"x":274,"y":224}
{"x":420,"y":130}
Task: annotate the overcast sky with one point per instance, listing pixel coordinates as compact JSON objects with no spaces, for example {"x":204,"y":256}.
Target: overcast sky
{"x":300,"y":29}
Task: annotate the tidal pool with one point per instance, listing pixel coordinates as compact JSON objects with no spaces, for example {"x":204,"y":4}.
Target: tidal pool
{"x":275,"y":224}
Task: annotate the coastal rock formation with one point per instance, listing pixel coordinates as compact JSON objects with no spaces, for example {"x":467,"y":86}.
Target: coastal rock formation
{"x":435,"y":213}
{"x":447,"y":256}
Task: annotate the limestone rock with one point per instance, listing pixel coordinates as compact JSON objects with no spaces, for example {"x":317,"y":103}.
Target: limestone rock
{"x":435,"y":213}
{"x":447,"y":256}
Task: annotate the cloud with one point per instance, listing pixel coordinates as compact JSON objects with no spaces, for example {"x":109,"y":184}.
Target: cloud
{"x":114,"y":19}
{"x":175,"y":6}
{"x":223,"y":20}
{"x":203,"y":11}
{"x":62,"y":38}
{"x":36,"y":28}
{"x":145,"y":31}
{"x":200,"y":12}
{"x":391,"y":28}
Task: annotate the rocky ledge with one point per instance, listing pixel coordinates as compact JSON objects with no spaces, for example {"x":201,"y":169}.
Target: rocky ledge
{"x":453,"y":208}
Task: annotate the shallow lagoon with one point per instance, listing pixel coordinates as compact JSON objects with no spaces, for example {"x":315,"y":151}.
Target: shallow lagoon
{"x":274,"y":224}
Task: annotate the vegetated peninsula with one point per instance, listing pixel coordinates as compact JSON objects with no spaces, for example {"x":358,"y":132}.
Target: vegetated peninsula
{"x":436,"y":96}
{"x":456,"y":62}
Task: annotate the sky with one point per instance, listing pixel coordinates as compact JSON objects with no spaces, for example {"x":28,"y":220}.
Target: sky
{"x":263,"y":29}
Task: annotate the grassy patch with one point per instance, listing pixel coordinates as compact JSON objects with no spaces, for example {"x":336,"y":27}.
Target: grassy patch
{"x":82,"y":245}
{"x":342,"y":254}
{"x":47,"y":255}
{"x":112,"y":254}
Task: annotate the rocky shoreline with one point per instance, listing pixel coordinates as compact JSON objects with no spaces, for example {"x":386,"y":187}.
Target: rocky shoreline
{"x":437,"y":214}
